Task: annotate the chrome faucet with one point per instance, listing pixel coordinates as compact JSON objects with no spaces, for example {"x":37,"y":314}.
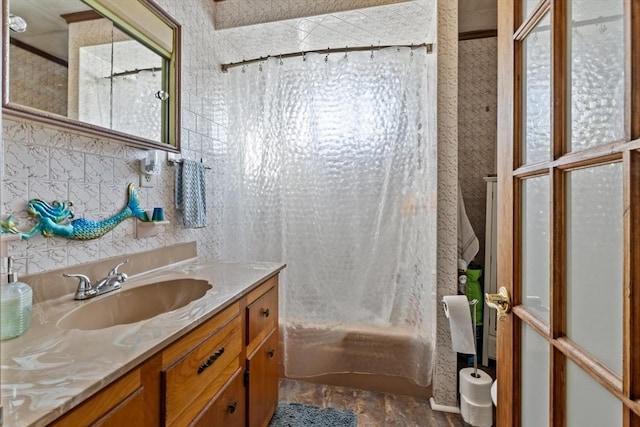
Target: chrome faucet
{"x":113,"y":281}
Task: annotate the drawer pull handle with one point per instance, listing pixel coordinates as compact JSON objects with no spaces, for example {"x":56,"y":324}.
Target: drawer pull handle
{"x":232,"y":407}
{"x":210,"y":360}
{"x":265,"y":312}
{"x":271,"y":353}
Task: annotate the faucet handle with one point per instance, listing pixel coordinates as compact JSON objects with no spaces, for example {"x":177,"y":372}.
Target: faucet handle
{"x":85,"y":282}
{"x":84,"y":286}
{"x":114,"y":270}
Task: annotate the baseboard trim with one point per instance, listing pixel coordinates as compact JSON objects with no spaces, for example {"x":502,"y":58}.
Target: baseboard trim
{"x":443,"y":408}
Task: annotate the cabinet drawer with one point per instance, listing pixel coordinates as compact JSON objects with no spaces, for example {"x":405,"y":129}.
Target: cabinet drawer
{"x":228,"y":408}
{"x":193,"y":380}
{"x":262,"y":317}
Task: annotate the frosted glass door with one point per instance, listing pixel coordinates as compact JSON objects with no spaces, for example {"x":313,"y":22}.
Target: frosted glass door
{"x":569,"y":213}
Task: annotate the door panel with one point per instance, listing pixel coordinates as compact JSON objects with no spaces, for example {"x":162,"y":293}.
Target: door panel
{"x":597,"y":75}
{"x":537,"y":93}
{"x":535,"y":379}
{"x":589,"y":404}
{"x":535,"y":246}
{"x":594,"y":262}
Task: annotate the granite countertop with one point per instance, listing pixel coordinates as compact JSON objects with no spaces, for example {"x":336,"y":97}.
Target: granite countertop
{"x":49,"y":370}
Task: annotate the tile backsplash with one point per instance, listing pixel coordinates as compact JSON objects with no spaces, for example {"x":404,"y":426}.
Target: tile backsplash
{"x":41,"y":161}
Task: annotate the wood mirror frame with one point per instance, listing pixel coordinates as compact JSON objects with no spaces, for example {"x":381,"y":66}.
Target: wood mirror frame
{"x":126,"y":16}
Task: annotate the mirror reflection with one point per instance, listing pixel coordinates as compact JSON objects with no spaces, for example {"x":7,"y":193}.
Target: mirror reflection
{"x":71,"y":61}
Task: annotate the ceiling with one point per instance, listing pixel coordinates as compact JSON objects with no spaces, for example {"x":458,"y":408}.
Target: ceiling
{"x":46,"y":29}
{"x":408,"y":22}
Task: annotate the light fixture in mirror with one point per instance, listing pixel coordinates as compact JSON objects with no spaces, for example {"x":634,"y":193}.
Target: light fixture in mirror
{"x":104,"y":67}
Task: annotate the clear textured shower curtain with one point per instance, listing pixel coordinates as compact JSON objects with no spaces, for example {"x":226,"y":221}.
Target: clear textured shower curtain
{"x":330,"y":166}
{"x":139,"y":114}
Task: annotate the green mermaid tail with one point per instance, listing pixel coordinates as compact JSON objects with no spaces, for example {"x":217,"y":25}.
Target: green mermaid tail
{"x":51,"y":218}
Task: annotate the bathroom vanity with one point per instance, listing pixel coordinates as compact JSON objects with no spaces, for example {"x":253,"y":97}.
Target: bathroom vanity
{"x":213,"y":361}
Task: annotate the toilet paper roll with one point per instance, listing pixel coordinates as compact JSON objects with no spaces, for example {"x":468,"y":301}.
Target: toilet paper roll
{"x":456,"y":308}
{"x":476,"y":415}
{"x":475,"y":390}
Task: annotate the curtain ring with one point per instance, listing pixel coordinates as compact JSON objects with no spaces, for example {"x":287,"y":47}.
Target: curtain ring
{"x":244,"y":68}
{"x":411,"y":54}
{"x":281,"y":63}
{"x":371,"y":51}
{"x":304,"y":57}
{"x":260,"y":66}
{"x":346,"y":55}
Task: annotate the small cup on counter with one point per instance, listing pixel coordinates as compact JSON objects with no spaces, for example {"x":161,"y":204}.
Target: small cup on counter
{"x":158,"y":214}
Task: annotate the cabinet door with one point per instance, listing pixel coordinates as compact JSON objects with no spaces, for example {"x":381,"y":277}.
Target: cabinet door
{"x":263,"y":381}
{"x":109,"y":405}
{"x":228,"y":408}
{"x":129,"y":413}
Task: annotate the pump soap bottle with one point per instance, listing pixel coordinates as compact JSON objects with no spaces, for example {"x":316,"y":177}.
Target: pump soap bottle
{"x":16,"y":299}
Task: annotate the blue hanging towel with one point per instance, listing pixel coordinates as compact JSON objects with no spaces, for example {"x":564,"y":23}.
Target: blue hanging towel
{"x":191,"y":193}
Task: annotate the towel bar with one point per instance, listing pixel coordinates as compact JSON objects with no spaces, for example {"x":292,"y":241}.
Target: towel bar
{"x":172,"y":162}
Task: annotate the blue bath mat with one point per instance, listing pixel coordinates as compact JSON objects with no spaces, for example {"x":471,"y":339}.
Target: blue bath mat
{"x":299,"y":415}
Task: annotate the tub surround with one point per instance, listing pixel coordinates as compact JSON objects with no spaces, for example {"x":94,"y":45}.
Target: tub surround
{"x":50,"y":370}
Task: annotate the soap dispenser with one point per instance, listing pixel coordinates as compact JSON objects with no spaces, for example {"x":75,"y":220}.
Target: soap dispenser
{"x":16,"y":299}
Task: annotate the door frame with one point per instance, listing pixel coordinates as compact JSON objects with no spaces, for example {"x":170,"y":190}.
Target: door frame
{"x":512,"y":29}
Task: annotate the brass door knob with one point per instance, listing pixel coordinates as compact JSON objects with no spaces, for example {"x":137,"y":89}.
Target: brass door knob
{"x":500,"y":301}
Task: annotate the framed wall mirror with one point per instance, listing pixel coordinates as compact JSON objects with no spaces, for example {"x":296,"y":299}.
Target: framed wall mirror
{"x":108,"y":68}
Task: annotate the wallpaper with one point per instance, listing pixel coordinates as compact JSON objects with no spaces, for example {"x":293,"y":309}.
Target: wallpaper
{"x":477,"y":126}
{"x":37,"y":82}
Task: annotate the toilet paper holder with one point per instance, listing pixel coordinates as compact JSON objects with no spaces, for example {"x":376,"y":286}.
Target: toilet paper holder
{"x":472,"y":303}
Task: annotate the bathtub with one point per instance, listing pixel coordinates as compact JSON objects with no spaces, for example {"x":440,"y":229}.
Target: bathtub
{"x":390,"y":359}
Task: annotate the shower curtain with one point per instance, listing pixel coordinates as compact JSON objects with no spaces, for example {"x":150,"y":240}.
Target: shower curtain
{"x":140,"y":114}
{"x":330,"y":166}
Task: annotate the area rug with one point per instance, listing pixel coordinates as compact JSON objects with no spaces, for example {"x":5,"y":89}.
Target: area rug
{"x":299,"y":415}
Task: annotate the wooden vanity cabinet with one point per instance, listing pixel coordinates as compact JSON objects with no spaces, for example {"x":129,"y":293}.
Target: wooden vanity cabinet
{"x":223,"y":373}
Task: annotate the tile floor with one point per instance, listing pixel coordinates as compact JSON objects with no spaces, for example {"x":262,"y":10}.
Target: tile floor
{"x":372,"y":408}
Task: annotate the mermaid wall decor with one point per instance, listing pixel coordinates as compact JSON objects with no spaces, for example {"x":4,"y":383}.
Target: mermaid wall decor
{"x":56,"y":219}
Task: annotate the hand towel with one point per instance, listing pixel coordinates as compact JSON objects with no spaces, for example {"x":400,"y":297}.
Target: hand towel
{"x":468,"y":244}
{"x":191,"y":193}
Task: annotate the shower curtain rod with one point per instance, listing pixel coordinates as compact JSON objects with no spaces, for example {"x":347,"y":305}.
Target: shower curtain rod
{"x":225,"y":67}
